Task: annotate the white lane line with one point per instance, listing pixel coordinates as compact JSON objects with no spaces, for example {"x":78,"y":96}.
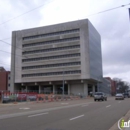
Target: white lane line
{"x":64,"y":103}
{"x":24,"y":108}
{"x":38,"y":114}
{"x":84,"y":105}
{"x":108,"y":106}
{"x":76,"y":117}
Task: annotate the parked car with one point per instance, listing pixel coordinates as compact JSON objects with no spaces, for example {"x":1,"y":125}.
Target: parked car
{"x":100,"y":96}
{"x":119,"y":96}
{"x":126,"y":95}
{"x":6,"y":100}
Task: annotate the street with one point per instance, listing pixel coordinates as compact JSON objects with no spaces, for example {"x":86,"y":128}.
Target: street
{"x":82,"y":114}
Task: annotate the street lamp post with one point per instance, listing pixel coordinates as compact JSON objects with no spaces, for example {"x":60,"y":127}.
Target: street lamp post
{"x":63,"y":84}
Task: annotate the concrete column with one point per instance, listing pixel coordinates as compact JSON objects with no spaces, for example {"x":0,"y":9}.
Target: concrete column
{"x":26,"y":88}
{"x":93,"y":89}
{"x":68,"y":89}
{"x":85,"y":89}
{"x":39,"y":89}
{"x":12,"y":73}
{"x":98,"y":87}
{"x":53,"y":89}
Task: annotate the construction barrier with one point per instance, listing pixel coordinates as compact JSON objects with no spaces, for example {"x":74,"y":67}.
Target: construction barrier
{"x":8,"y":97}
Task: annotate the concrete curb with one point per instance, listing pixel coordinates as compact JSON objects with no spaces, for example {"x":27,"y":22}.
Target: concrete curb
{"x":33,"y":102}
{"x":126,"y":118}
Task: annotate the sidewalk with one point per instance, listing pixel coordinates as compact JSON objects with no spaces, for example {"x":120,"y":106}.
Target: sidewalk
{"x":47,"y":101}
{"x":126,"y":118}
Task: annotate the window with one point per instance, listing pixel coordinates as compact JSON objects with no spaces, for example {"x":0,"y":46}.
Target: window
{"x":52,"y":73}
{"x":51,"y":57}
{"x":50,"y":42}
{"x":52,"y":49}
{"x":51,"y":34}
{"x":51,"y":65}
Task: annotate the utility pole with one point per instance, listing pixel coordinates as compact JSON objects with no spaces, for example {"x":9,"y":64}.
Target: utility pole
{"x":63,"y":84}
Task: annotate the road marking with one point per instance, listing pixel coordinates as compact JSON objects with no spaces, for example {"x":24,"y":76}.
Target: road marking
{"x":108,"y":106}
{"x":119,"y":102}
{"x":24,"y":108}
{"x":6,"y":116}
{"x":38,"y":114}
{"x":76,"y":117}
{"x":64,"y":103}
{"x":84,"y":105}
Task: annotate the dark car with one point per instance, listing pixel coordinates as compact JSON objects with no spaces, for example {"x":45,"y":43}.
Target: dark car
{"x":100,"y":96}
{"x":126,"y":94}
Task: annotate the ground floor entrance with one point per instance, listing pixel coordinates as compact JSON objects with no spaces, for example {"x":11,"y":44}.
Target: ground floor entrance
{"x":68,"y":88}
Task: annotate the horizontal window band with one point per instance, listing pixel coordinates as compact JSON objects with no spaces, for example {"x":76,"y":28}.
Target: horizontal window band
{"x":51,"y":49}
{"x":50,"y":42}
{"x":51,"y":65}
{"x":51,"y":57}
{"x":51,"y":34}
{"x":52,"y":73}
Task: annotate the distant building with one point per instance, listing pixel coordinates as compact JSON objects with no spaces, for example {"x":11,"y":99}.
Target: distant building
{"x":113,"y":86}
{"x":4,"y":79}
{"x":9,"y":78}
{"x":105,"y":86}
{"x":68,"y":53}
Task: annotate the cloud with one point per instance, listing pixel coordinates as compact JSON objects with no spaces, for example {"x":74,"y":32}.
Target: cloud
{"x":113,"y":26}
{"x":29,"y":20}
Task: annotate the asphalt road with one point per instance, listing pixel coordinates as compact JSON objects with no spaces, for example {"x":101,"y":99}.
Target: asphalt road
{"x":67,"y":115}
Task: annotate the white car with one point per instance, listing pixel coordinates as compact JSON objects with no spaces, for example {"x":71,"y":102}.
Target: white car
{"x":119,"y":96}
{"x":100,"y":96}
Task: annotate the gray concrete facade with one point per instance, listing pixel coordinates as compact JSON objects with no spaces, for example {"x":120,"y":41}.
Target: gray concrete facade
{"x":47,"y":54}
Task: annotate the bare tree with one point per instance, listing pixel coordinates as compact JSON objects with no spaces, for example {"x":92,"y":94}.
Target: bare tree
{"x":122,"y":86}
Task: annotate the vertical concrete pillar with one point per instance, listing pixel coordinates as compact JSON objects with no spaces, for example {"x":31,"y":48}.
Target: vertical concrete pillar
{"x":93,"y":89}
{"x":68,"y":89}
{"x":85,"y":89}
{"x":39,"y":89}
{"x":13,"y":56}
{"x":53,"y":89}
{"x":26,"y":88}
{"x":98,"y":87}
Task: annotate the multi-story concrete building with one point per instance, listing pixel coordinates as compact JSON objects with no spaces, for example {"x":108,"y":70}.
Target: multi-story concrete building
{"x":44,"y":57}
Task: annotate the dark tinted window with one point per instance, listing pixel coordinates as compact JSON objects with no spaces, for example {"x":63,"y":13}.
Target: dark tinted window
{"x":99,"y":94}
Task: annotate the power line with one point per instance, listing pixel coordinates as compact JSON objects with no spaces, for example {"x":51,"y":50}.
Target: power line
{"x":10,"y":66}
{"x":52,"y":1}
{"x":39,"y":7}
{"x":12,"y":53}
{"x":10,"y":44}
{"x":109,"y":10}
{"x":87,"y":15}
{"x":15,"y":47}
{"x":6,"y":38}
{"x":25,"y":13}
{"x":5,"y":42}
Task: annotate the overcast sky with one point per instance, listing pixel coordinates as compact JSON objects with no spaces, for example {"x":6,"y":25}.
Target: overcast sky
{"x":113,"y":26}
